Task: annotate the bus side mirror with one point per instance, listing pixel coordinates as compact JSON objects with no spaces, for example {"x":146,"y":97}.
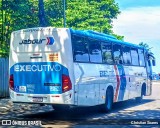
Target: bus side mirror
{"x":153,"y":62}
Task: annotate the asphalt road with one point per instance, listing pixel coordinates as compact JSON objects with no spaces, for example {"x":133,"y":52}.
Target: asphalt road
{"x":127,"y":112}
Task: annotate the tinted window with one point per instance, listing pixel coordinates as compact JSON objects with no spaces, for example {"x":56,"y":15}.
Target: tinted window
{"x":117,"y":54}
{"x":126,"y":55}
{"x":134,"y":55}
{"x":80,"y":49}
{"x":95,"y":51}
{"x":141,"y":57}
{"x":107,"y":53}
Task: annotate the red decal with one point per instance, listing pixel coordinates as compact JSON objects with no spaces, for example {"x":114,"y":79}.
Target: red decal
{"x":118,"y":83}
{"x":48,"y":40}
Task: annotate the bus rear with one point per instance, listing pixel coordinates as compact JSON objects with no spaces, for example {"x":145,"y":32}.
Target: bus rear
{"x":39,"y":66}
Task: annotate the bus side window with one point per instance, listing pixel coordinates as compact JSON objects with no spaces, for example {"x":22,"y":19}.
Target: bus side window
{"x":134,"y":55}
{"x":107,"y":53}
{"x":80,"y":49}
{"x":141,"y":57}
{"x":95,"y":51}
{"x":117,"y":54}
{"x":126,"y":55}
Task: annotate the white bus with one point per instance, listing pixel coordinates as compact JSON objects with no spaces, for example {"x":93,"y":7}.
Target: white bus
{"x":66,"y":67}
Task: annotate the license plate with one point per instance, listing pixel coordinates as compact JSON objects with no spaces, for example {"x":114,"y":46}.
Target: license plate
{"x":37,"y":99}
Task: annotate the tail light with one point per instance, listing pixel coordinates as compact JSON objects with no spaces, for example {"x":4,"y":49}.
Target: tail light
{"x":11,"y":82}
{"x":66,"y":83}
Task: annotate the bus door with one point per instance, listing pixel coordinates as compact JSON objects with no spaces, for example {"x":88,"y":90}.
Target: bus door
{"x":149,"y":65}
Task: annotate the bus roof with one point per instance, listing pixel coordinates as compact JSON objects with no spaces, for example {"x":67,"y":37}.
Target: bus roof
{"x":86,"y":33}
{"x":103,"y":37}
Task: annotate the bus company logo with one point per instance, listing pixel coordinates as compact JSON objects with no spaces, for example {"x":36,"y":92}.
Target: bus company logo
{"x":50,"y":41}
{"x":34,"y":41}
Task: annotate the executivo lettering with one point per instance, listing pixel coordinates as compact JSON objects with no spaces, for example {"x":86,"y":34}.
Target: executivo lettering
{"x":36,"y":68}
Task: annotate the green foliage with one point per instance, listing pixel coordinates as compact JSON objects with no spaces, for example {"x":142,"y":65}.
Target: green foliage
{"x":146,"y":46}
{"x":118,"y":37}
{"x":21,"y":14}
{"x":95,"y":15}
{"x":4,"y":50}
{"x":54,"y":12}
{"x":16,"y":14}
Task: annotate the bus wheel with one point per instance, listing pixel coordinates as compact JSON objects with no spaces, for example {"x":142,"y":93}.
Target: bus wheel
{"x":108,"y":101}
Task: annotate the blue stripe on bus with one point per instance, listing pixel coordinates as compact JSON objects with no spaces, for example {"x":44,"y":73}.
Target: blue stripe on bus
{"x":122,"y":82}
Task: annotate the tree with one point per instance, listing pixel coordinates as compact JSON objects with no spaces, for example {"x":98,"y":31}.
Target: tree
{"x":54,"y":13}
{"x":146,"y":46}
{"x":94,"y":15}
{"x":16,"y":14}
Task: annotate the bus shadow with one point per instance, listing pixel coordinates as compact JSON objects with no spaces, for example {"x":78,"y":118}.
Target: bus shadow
{"x":79,"y":115}
{"x":129,"y":103}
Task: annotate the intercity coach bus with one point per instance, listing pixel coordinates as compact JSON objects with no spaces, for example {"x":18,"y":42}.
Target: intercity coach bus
{"x":66,"y":67}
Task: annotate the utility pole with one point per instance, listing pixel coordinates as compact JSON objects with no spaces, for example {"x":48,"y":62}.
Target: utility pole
{"x":41,"y":15}
{"x":64,"y":14}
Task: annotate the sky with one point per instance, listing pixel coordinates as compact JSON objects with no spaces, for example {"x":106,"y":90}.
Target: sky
{"x":139,"y":21}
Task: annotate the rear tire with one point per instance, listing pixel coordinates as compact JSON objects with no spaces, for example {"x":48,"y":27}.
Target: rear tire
{"x":107,"y":107}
